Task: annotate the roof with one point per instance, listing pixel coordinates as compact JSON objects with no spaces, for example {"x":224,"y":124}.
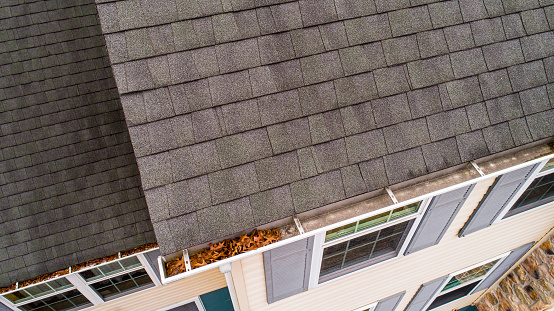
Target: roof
{"x":245,"y":112}
{"x":70,"y":189}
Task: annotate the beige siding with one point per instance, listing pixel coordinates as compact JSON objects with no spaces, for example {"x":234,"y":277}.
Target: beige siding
{"x":409,"y":272}
{"x":162,"y":296}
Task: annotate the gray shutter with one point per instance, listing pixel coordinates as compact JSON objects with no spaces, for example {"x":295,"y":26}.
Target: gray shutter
{"x":390,"y":303}
{"x":4,"y":308}
{"x":496,"y":199}
{"x":424,"y":294}
{"x":152,"y":258}
{"x":438,"y":217}
{"x":287,"y":269}
{"x":504,"y":266}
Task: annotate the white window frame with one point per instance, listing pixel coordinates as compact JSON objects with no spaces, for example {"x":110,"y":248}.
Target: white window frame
{"x":537,"y":173}
{"x":320,"y":244}
{"x":196,"y":301}
{"x":480,"y":279}
{"x":369,"y":307}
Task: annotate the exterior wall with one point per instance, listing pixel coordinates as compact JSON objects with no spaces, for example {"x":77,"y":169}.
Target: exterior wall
{"x":409,"y":272}
{"x":166,"y":295}
{"x":530,"y":286}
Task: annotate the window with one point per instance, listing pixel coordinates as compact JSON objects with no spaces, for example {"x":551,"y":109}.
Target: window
{"x":39,"y":290}
{"x":110,"y":269}
{"x":367,"y":241}
{"x":60,"y":302}
{"x":462,"y":283}
{"x":539,"y":192}
{"x":370,"y":307}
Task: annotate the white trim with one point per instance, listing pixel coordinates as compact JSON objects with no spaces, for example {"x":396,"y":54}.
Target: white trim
{"x":391,"y":195}
{"x":82,"y":287}
{"x":344,"y":222}
{"x":111,"y":276}
{"x":226,"y":270}
{"x":8,"y":303}
{"x":149,"y":269}
{"x":196,"y":301}
{"x":369,"y":307}
{"x":317,"y":258}
{"x":480,"y":279}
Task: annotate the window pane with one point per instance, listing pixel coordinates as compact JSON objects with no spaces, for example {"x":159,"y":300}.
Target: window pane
{"x":548,"y":165}
{"x":110,"y":269}
{"x":331,"y":264}
{"x":60,"y":302}
{"x":469,"y":275}
{"x":39,"y":290}
{"x":453,"y":295}
{"x":539,"y":192}
{"x":356,"y":255}
{"x":130,"y":263}
{"x":122,"y":283}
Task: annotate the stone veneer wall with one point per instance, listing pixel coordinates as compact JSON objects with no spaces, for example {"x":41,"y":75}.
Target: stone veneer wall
{"x":528,"y":287}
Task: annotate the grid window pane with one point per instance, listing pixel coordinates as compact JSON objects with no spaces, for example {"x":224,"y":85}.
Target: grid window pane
{"x":539,"y":192}
{"x":110,"y":269}
{"x":548,"y":165}
{"x":469,"y":275}
{"x":372,"y":221}
{"x":122,"y":283}
{"x":60,"y":302}
{"x":39,"y":290}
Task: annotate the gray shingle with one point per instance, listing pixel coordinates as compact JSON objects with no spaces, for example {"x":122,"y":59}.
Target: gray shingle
{"x":238,"y":55}
{"x":326,"y":126}
{"x":306,"y":162}
{"x":504,"y":108}
{"x":307,"y":41}
{"x":161,"y":135}
{"x":182,"y":67}
{"x":385,"y":6}
{"x":235,"y":26}
{"x":205,"y":60}
{"x":108,"y":15}
{"x":357,"y":118}
{"x":276,"y":78}
{"x":400,"y":50}
{"x":459,"y":37}
{"x":405,"y":165}
{"x":196,"y":95}
{"x":279,"y":107}
{"x":188,"y":196}
{"x":432,"y":43}
{"x":130,"y":14}
{"x":495,"y":84}
{"x":406,"y":135}
{"x":330,"y":155}
{"x":430,"y":71}
{"x":157,"y":203}
{"x":281,"y":17}
{"x":162,"y":39}
{"x":472,"y":146}
{"x":367,"y":29}
{"x":159,"y":11}
{"x":392,"y":80}
{"x":140,"y":140}
{"x":133,"y":106}
{"x":271,"y":205}
{"x":391,"y":110}
{"x":352,"y":179}
{"x":117,"y":47}
{"x":313,"y":72}
{"x":538,"y":46}
{"x":373,"y":173}
{"x":503,"y":54}
{"x":441,"y":154}
{"x":333,"y":35}
{"x":317,"y":191}
{"x":317,"y":98}
{"x":447,"y":124}
{"x":230,"y":87}
{"x":540,"y":124}
{"x":408,"y":21}
{"x":137,"y":76}
{"x":316,"y":12}
{"x":463,"y":92}
{"x":355,"y":89}
{"x":498,"y":137}
{"x":158,"y":104}
{"x":362,"y":58}
{"x":494,"y":7}
{"x":233,"y":183}
{"x":206,"y":125}
{"x":549,"y":67}
{"x":527,"y":75}
{"x":445,"y":13}
{"x":549,"y":12}
{"x":353,"y":8}
{"x":534,"y":100}
{"x":243,"y":147}
{"x":520,"y":132}
{"x":478,"y":116}
{"x":240,"y":214}
{"x":365,"y":146}
{"x":194,"y":160}
{"x":424,"y":101}
{"x":278,"y":170}
{"x":550,"y":91}
{"x":488,"y":31}
{"x":513,"y":26}
{"x":241,"y":116}
{"x":275,"y":48}
{"x":468,"y":63}
{"x":534,"y":21}
{"x":214,"y":222}
{"x":157,"y":170}
{"x":138,"y":43}
{"x":473,"y":10}
{"x":289,"y":135}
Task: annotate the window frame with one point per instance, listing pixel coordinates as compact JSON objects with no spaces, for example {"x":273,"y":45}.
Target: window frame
{"x":197,"y":301}
{"x":479,"y":279}
{"x":537,"y":173}
{"x":369,"y":307}
{"x":320,"y":244}
{"x":16,"y":306}
{"x":120,"y":294}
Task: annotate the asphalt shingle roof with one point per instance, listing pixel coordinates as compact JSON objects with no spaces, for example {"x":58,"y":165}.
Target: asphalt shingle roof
{"x":70,"y":189}
{"x":266,"y":108}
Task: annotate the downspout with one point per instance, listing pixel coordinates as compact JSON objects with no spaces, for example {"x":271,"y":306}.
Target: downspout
{"x":226,"y":270}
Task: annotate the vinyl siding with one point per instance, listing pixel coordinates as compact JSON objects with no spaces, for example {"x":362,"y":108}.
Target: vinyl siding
{"x":408,"y":272}
{"x":162,"y":296}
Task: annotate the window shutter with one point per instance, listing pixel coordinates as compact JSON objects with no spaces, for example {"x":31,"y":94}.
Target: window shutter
{"x":152,"y":258}
{"x":424,"y":294}
{"x":390,"y":303}
{"x":504,"y":266}
{"x":438,"y":217}
{"x":496,"y":199}
{"x":287,"y":269}
{"x":4,"y":308}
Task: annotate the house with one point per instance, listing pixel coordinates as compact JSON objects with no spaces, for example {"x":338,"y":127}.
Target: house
{"x":403,"y":150}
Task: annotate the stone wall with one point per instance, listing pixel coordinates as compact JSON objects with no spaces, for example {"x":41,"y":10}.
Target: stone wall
{"x":528,"y":287}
